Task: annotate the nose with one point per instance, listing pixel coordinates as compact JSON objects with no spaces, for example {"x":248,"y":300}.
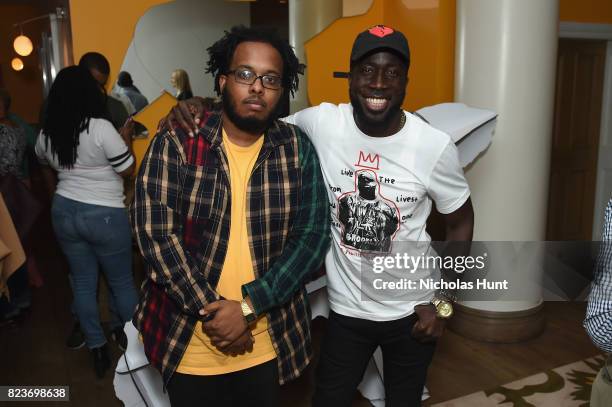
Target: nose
{"x":378,"y":80}
{"x":257,"y":86}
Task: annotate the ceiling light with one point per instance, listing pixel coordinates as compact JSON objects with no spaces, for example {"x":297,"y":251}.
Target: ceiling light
{"x":23,"y":45}
{"x":17,"y":64}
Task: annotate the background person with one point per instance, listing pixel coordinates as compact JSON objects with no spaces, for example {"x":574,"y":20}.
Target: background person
{"x":99,"y":68}
{"x":117,"y":112}
{"x":125,"y":86}
{"x":88,"y":212}
{"x":13,"y":146}
{"x":180,"y":81}
{"x":13,"y":142}
{"x":598,"y":321}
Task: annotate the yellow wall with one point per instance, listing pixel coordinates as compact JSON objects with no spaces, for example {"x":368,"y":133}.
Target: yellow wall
{"x":329,"y":51}
{"x":107,"y":27}
{"x":429,"y":26}
{"x":150,"y":117}
{"x":586,"y":11}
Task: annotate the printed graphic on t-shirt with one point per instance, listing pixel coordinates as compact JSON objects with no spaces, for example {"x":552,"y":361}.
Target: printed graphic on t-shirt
{"x":369,"y":220}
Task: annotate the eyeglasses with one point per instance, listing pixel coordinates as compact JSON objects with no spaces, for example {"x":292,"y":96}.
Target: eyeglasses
{"x":248,"y":77}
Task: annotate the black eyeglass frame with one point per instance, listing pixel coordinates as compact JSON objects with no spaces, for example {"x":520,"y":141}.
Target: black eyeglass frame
{"x":261,"y":77}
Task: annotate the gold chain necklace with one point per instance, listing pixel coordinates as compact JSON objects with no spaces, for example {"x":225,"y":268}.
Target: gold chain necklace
{"x":402,"y":121}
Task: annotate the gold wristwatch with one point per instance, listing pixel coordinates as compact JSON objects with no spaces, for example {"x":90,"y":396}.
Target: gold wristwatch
{"x":247,"y":312}
{"x":444,"y":308}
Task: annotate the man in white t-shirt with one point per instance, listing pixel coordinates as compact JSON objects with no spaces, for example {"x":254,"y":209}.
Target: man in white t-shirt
{"x":383,"y":168}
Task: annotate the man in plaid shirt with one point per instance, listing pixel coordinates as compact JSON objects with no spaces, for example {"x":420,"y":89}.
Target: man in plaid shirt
{"x":231,"y":223}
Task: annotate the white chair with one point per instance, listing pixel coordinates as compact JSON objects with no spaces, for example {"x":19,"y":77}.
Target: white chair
{"x":134,"y":371}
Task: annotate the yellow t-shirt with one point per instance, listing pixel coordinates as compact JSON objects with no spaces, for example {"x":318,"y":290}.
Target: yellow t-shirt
{"x":201,"y":357}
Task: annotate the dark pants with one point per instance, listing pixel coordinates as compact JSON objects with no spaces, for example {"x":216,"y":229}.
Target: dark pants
{"x":19,"y":290}
{"x":347,"y":348}
{"x":254,"y":387}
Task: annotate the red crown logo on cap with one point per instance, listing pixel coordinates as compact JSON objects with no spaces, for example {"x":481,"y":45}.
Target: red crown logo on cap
{"x":381,"y":31}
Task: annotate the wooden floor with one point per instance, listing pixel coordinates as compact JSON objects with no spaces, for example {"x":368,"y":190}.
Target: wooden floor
{"x":33,"y":351}
{"x":462,"y":366}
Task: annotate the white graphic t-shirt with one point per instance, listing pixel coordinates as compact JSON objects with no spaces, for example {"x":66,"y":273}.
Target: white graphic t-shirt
{"x":380,"y":192}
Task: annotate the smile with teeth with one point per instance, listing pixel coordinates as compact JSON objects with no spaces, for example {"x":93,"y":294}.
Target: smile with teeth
{"x":376,"y":103}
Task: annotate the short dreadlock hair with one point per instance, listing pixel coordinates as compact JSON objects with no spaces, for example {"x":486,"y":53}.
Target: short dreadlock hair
{"x":221,"y":54}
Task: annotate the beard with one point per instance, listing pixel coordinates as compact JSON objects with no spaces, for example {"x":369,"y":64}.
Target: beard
{"x":247,"y":124}
{"x":359,"y":111}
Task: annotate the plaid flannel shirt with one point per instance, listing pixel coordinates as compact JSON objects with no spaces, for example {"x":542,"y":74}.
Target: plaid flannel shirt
{"x":181,"y":217}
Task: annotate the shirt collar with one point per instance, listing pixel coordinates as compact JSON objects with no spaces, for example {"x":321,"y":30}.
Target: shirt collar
{"x":277,"y":134}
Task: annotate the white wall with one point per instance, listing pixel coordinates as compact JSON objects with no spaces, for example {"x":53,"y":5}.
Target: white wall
{"x":355,"y":7}
{"x":176,"y":35}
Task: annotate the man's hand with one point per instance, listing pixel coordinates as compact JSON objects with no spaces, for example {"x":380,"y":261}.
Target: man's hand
{"x":188,"y":115}
{"x":127,"y":131}
{"x":243,"y":344}
{"x":228,"y":323}
{"x":429,"y":327}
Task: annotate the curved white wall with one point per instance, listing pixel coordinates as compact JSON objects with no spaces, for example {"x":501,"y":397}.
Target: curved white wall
{"x":176,"y":35}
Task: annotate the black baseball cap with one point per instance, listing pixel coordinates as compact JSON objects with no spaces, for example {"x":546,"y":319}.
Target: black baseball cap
{"x":377,"y":37}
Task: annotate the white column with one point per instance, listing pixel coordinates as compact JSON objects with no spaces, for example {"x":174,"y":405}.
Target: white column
{"x":306,"y":19}
{"x":505,"y":61}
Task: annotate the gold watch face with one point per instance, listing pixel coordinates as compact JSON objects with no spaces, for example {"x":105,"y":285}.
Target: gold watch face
{"x":245,"y":309}
{"x":247,"y":313}
{"x":444,"y":308}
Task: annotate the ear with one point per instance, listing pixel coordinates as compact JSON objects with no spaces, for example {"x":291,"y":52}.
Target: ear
{"x":222,"y":82}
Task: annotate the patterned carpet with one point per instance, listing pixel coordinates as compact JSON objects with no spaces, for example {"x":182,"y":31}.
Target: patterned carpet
{"x":565,"y":386}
